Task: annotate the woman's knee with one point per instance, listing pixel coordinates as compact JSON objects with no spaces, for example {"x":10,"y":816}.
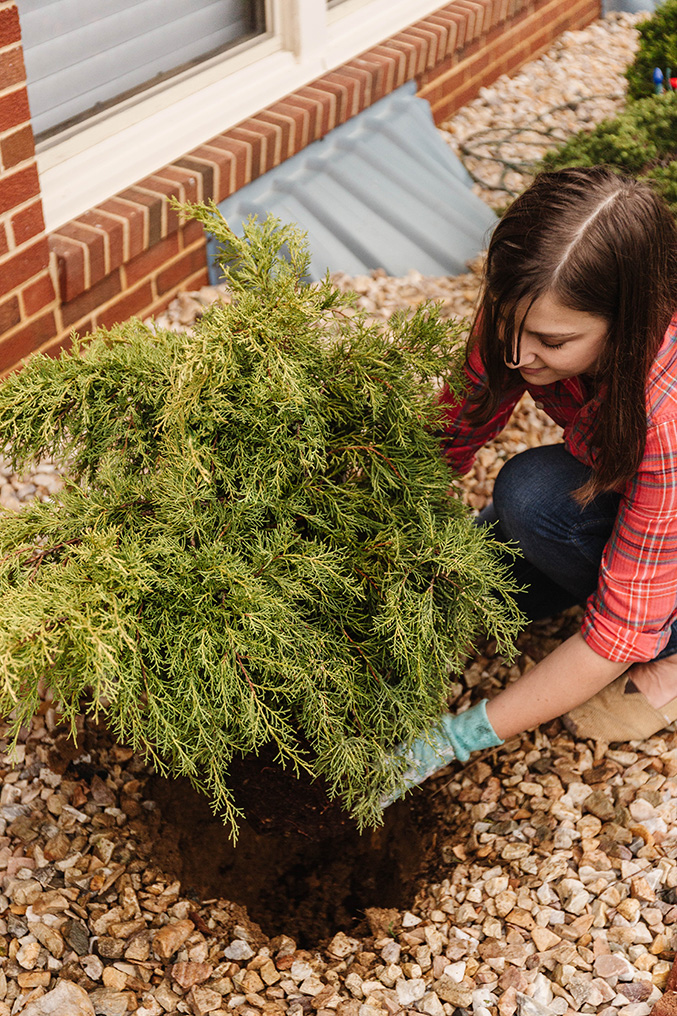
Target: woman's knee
{"x":534,"y":490}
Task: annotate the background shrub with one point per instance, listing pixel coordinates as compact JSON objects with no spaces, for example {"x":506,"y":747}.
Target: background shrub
{"x":657,"y":48}
{"x":640,"y":141}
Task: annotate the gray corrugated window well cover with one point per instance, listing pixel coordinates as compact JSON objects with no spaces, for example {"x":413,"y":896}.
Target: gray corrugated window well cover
{"x":629,"y":6}
{"x":381,"y":191}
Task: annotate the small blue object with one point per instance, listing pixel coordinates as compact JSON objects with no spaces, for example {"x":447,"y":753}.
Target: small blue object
{"x":658,"y":81}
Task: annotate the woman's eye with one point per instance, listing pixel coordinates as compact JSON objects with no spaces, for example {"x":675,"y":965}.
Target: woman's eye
{"x":551,"y":345}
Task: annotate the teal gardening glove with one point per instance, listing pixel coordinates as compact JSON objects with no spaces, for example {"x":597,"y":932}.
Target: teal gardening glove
{"x":451,"y":737}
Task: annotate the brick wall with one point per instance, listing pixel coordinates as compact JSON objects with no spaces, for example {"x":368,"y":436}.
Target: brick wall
{"x":130,"y":255}
{"x":28,"y":300}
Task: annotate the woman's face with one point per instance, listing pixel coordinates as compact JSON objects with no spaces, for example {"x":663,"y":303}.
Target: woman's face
{"x":558,"y":342}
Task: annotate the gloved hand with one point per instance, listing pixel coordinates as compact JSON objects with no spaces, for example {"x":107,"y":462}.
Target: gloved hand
{"x":453,"y":736}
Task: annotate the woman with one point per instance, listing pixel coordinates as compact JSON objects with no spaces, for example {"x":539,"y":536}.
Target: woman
{"x":579,"y":309}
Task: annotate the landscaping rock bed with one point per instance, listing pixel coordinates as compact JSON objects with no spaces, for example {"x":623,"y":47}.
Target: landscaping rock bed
{"x":538,"y":879}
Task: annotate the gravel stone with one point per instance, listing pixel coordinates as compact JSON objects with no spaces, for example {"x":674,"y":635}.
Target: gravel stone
{"x":410,"y":992}
{"x":558,"y":873}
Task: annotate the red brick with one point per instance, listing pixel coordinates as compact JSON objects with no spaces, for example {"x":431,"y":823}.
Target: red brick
{"x":191,"y":233}
{"x":203,"y":167}
{"x":26,"y":340}
{"x":4,"y":246}
{"x":475,"y":13}
{"x":421,"y":46}
{"x":17,"y":147}
{"x":71,"y":266}
{"x":151,"y":260}
{"x":367,"y":80}
{"x":397,"y":64}
{"x":273,"y":133}
{"x":497,"y":15}
{"x":461,"y":26}
{"x":165,"y":190}
{"x":10,"y":29}
{"x":258,"y":139}
{"x":17,"y":187}
{"x":14,"y":110}
{"x":437,"y":75}
{"x":488,"y":11}
{"x":234,"y":159}
{"x":191,"y":282}
{"x":285,"y":127}
{"x":112,"y":232}
{"x":129,"y":305}
{"x":186,"y":183}
{"x":325,"y":105}
{"x":216,"y":165}
{"x":446,"y":33}
{"x":38,"y":294}
{"x":86,"y":303}
{"x":23,"y":265}
{"x":349,"y":90}
{"x":194,"y":281}
{"x":192,"y":261}
{"x":133,"y":221}
{"x":12,"y":70}
{"x":28,"y":223}
{"x":409,"y":53}
{"x":93,"y":242}
{"x":433,"y":36}
{"x":153,"y":206}
{"x":312,"y":108}
{"x":301,"y":115}
{"x":10,"y":314}
{"x":450,"y":22}
{"x":502,"y":45}
{"x":379,"y":74}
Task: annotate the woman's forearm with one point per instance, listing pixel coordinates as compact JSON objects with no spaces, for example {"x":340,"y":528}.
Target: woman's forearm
{"x":568,"y":676}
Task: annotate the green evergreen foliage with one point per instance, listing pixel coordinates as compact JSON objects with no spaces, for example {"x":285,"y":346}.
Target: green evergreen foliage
{"x":257,"y":543}
{"x":657,"y":48}
{"x":640,"y":141}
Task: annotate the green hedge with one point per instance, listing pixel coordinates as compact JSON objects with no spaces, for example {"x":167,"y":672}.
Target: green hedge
{"x":642,"y":141}
{"x":657,"y":48}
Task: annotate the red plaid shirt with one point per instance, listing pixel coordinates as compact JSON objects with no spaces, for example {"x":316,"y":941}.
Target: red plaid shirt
{"x":629,"y":615}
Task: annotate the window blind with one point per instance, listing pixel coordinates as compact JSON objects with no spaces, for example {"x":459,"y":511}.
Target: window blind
{"x":82,"y":55}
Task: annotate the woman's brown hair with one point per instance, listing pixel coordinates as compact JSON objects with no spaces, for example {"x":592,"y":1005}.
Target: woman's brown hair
{"x":603,"y":244}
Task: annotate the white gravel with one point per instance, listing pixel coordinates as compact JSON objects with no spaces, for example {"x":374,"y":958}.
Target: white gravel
{"x":558,"y":860}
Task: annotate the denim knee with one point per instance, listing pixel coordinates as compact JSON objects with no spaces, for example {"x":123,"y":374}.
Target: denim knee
{"x":525,"y":494}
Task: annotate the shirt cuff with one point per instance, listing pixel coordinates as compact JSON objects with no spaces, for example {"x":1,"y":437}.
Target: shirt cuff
{"x":619,"y":644}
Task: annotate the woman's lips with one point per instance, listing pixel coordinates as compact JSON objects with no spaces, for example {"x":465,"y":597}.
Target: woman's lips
{"x":531,"y":370}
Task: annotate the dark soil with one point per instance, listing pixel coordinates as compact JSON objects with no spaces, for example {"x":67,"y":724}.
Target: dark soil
{"x":300,"y":867}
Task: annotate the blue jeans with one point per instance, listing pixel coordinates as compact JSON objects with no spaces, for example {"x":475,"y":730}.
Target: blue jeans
{"x":562,"y":542}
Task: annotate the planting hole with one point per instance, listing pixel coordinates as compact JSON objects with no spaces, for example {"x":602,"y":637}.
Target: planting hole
{"x":299,"y":866}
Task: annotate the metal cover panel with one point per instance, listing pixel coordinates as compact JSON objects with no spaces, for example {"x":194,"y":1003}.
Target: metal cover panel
{"x":381,"y":191}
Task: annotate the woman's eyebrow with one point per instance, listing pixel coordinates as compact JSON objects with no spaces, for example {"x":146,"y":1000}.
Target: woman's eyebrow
{"x":551,"y":335}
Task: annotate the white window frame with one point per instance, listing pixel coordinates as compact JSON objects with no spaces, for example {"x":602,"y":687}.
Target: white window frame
{"x":93,"y":160}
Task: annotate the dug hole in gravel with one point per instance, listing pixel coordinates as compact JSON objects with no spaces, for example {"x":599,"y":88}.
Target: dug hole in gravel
{"x":538,"y":879}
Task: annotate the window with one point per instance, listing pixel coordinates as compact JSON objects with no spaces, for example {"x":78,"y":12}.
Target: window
{"x":82,"y":57}
{"x":255,"y":52}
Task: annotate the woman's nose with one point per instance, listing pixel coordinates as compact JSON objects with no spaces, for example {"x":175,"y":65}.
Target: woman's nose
{"x":527,"y":355}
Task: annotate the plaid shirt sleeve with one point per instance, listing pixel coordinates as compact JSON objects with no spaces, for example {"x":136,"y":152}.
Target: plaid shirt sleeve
{"x":460,"y":440}
{"x":630,"y":614}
